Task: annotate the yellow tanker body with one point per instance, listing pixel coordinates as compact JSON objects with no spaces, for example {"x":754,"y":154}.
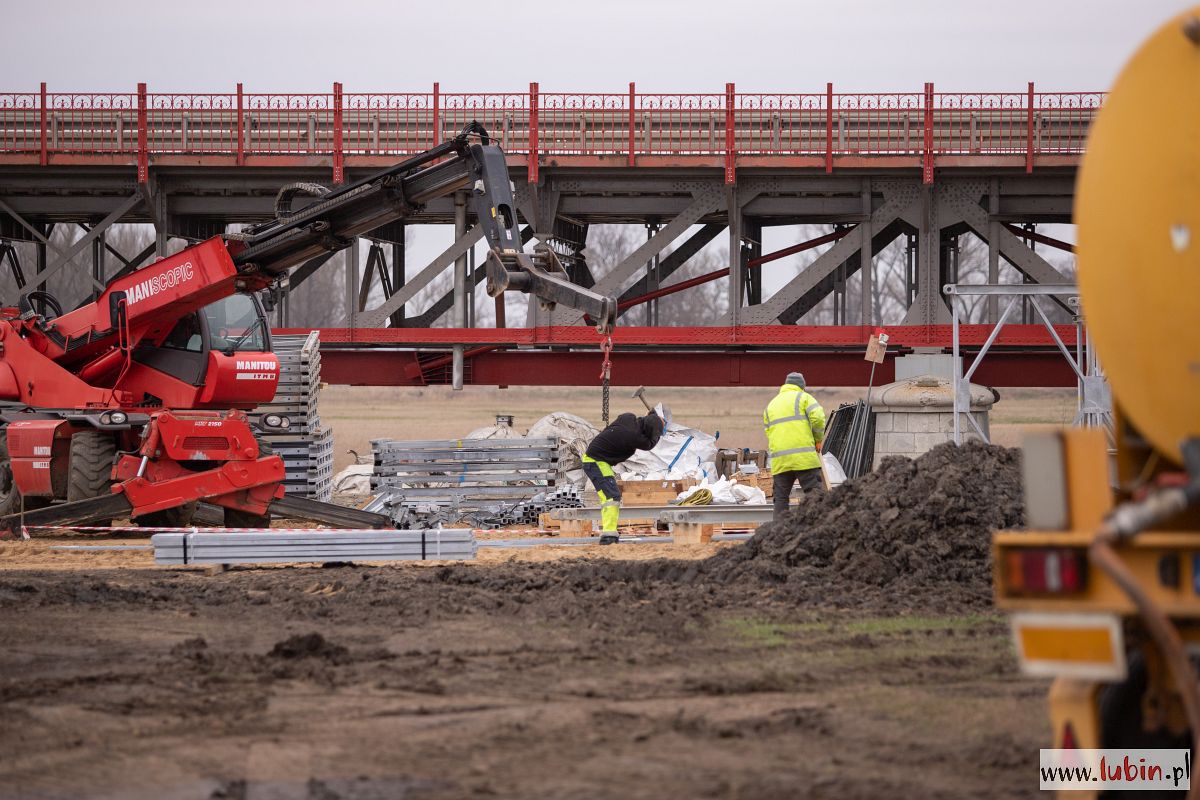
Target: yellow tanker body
{"x":1104,"y":586}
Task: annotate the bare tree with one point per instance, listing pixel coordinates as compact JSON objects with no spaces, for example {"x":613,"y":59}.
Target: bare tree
{"x":608,"y":245}
{"x":71,"y":285}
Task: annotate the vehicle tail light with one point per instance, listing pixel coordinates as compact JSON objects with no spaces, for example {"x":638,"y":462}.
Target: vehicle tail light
{"x":1045,"y":570}
{"x":1068,"y":738}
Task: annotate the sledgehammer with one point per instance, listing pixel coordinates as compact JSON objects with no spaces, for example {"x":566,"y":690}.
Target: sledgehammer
{"x":640,"y":394}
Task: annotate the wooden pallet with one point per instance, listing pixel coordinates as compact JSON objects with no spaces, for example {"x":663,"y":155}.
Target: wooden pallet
{"x":652,"y":493}
{"x":760,"y":480}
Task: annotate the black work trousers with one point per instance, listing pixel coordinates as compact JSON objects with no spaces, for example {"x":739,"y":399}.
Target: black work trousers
{"x":781,"y":486}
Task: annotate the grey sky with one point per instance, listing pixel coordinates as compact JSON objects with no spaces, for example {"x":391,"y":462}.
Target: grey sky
{"x":664,"y":45}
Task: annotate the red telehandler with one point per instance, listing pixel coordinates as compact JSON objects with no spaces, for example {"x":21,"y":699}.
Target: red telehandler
{"x":135,"y":404}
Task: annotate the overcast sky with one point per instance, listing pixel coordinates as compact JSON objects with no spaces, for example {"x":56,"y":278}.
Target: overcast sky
{"x":664,"y":45}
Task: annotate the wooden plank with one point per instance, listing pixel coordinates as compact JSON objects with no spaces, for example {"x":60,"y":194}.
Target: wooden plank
{"x":692,"y":532}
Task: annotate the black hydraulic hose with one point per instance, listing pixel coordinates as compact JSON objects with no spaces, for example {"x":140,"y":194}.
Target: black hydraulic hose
{"x":457,"y":145}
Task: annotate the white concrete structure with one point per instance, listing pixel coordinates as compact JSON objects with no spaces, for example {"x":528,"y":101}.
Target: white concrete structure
{"x":914,"y":415}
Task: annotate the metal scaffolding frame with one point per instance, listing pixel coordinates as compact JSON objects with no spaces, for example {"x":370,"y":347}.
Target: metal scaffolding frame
{"x":1094,"y":400}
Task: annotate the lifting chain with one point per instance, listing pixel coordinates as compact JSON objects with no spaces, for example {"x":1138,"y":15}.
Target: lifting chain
{"x":605,"y":375}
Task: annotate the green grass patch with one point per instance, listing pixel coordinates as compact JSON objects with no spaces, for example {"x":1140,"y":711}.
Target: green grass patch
{"x":908,"y":624}
{"x":754,"y":632}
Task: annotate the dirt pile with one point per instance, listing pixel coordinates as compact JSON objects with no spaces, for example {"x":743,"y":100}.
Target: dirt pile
{"x":912,"y":529}
{"x":309,"y":645}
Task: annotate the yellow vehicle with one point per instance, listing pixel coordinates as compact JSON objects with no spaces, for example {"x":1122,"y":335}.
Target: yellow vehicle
{"x":1104,"y":586}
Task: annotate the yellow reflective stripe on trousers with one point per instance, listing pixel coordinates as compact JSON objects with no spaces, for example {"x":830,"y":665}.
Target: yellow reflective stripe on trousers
{"x":610,"y":513}
{"x":605,"y":468}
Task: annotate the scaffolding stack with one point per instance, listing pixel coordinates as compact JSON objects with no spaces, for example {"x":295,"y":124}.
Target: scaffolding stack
{"x":306,"y":446}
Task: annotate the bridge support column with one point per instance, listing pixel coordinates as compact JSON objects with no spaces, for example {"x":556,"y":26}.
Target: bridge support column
{"x":652,"y":277}
{"x":928,"y":307}
{"x":752,"y":229}
{"x":993,"y":243}
{"x":736,"y":272}
{"x":460,"y":286}
{"x":352,"y":283}
{"x":867,"y":259}
{"x":399,"y":255}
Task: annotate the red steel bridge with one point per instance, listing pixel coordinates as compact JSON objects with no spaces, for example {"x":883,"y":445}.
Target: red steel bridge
{"x":925,"y":167}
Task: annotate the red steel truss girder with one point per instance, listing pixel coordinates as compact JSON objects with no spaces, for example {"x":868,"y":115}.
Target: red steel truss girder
{"x":754,"y":355}
{"x":753,"y":263}
{"x":380,"y":367}
{"x":1039,"y":238}
{"x":742,"y":336}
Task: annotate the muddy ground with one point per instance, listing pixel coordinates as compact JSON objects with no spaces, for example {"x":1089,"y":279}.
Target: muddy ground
{"x":848,"y":651}
{"x":502,"y":679}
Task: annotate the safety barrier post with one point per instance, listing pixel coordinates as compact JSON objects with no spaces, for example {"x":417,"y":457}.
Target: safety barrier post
{"x":241,"y":141}
{"x":632,"y":124}
{"x":437,"y":114}
{"x":533,"y":132}
{"x":927,"y":170}
{"x":338,"y":162}
{"x":45,"y":154}
{"x":143,"y":151}
{"x":730,"y":139}
{"x":1029,"y":131}
{"x":829,"y":127}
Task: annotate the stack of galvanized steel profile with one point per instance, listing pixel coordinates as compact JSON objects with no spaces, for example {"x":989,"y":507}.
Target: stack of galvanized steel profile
{"x":305,"y":446}
{"x":433,"y":481}
{"x":297,"y":546}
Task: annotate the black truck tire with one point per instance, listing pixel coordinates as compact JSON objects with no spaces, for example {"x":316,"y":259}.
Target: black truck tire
{"x":90,"y":471}
{"x":236,"y":518}
{"x":177,"y":517}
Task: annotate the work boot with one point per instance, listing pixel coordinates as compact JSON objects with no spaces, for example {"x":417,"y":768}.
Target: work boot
{"x":609,"y":537}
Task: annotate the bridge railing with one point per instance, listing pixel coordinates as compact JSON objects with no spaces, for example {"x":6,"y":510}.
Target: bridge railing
{"x":628,"y":125}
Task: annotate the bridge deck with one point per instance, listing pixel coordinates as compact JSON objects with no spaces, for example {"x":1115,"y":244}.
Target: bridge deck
{"x":728,"y":129}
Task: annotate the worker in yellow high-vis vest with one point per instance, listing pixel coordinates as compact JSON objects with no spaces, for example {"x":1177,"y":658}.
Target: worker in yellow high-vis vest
{"x":795,"y":425}
{"x":626,"y":435}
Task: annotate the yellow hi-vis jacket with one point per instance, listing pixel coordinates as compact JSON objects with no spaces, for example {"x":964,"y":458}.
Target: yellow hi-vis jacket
{"x":795,"y":424}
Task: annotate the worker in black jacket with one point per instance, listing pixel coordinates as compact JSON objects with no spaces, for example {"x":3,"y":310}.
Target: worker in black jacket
{"x":626,"y":435}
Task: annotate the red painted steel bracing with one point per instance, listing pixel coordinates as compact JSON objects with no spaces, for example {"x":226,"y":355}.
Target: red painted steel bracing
{"x":725,"y":129}
{"x":1024,"y":355}
{"x":743,"y":336}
